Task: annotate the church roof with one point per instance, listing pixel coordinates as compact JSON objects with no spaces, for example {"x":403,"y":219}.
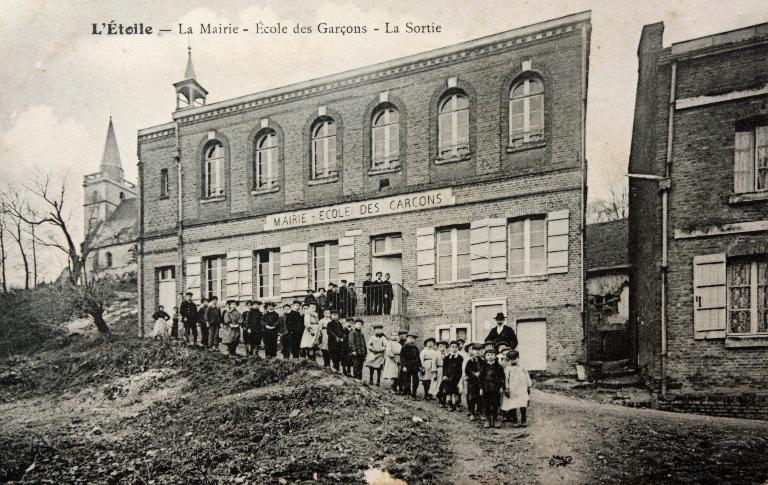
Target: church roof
{"x":122,"y":225}
{"x":111,"y":155}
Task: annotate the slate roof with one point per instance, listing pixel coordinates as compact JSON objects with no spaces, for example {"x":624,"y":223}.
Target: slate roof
{"x":606,"y":245}
{"x":122,"y":226}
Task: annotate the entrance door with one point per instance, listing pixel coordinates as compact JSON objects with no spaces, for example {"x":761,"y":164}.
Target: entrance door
{"x":532,"y":344}
{"x":166,"y":289}
{"x":483,"y":312}
{"x":386,"y":256}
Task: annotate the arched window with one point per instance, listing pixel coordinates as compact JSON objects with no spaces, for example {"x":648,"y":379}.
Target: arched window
{"x":453,"y":126}
{"x":213,"y":182}
{"x":385,"y":139}
{"x":324,"y":149}
{"x":109,"y":259}
{"x":526,"y":112}
{"x":265,"y":165}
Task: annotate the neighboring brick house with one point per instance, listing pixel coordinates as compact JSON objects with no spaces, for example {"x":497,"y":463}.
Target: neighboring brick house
{"x":459,"y":171}
{"x":700,"y":146}
{"x":111,"y":215}
{"x":608,"y":289}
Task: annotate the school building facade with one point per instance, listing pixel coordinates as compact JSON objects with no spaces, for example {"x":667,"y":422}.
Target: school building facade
{"x":698,"y":227}
{"x":459,"y":171}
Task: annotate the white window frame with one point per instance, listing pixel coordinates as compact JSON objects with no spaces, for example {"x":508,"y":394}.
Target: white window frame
{"x":388,"y":251}
{"x":390,"y":159}
{"x":321,"y":142}
{"x":753,"y":152}
{"x":753,"y":298}
{"x":526,"y":135}
{"x":526,"y":247}
{"x":215,"y":284}
{"x":454,"y":254}
{"x":214,"y":171}
{"x":452,"y":331}
{"x":265,"y":163}
{"x":273,"y":274}
{"x":454,"y":149}
{"x":324,"y":279}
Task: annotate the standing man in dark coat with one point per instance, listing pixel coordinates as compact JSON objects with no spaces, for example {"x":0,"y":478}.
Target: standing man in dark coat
{"x":357,"y":348}
{"x":332,"y":297}
{"x":351,"y":299}
{"x":188,"y":313}
{"x":214,"y":319}
{"x":282,"y":330}
{"x":269,"y":324}
{"x":502,"y":333}
{"x":378,"y":294}
{"x":335,"y":340}
{"x":295,"y":323}
{"x":343,"y":298}
{"x":368,"y":294}
{"x":410,"y":364}
{"x":254,"y":328}
{"x":387,"y":294}
{"x":202,"y":320}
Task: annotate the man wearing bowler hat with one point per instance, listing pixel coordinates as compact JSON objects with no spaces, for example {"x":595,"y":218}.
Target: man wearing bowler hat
{"x":502,"y":333}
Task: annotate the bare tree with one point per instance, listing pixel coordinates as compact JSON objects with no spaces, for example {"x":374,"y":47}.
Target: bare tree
{"x":3,"y":255}
{"x":11,"y":207}
{"x":615,"y":207}
{"x":92,"y":297}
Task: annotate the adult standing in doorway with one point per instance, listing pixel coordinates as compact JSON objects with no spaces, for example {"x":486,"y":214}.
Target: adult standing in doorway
{"x":502,"y":332}
{"x":387,"y":294}
{"x":368,"y":294}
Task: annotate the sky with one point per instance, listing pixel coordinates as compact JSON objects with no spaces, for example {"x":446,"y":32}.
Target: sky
{"x":60,"y":84}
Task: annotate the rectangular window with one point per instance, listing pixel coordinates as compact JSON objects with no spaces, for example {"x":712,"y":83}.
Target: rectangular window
{"x":165,"y":274}
{"x":164,"y":183}
{"x":325,"y":264}
{"x":268,"y":273}
{"x":215,"y":277}
{"x":384,"y":245}
{"x":750,"y":170}
{"x":453,"y":254}
{"x":528,"y":247}
{"x":748,"y":297}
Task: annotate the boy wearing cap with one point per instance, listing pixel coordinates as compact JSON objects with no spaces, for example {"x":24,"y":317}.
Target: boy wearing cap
{"x":402,"y":379}
{"x":491,"y":386}
{"x":323,"y":345}
{"x":357,"y":348}
{"x":368,"y":294}
{"x":518,"y":388}
{"x":391,"y":370}
{"x":282,"y":330}
{"x":377,"y":345}
{"x":253,"y":329}
{"x":437,"y":387}
{"x":294,"y":321}
{"x":410,"y":363}
{"x":464,"y":358}
{"x":188,"y":313}
{"x":233,"y":320}
{"x":346,"y":359}
{"x":429,"y":367}
{"x":452,"y":364}
{"x":335,"y":340}
{"x":269,"y":323}
{"x":311,"y":333}
{"x":472,"y":377}
{"x":213,"y":316}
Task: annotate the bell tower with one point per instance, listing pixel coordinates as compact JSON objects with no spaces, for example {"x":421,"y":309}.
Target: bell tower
{"x":189,"y":92}
{"x":107,"y":188}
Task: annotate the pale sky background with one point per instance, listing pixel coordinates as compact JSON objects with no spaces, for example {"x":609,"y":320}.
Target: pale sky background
{"x":59,"y":83}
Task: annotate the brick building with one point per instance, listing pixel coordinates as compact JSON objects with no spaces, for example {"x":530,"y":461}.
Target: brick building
{"x":699,"y":214}
{"x":110,"y":214}
{"x":459,"y":171}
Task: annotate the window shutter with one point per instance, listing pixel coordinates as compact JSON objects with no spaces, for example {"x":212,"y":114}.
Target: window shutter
{"x":425,"y":256}
{"x":709,"y":296}
{"x":193,"y":276}
{"x":286,"y":270}
{"x":294,"y":269}
{"x":497,"y":246}
{"x":347,"y":258}
{"x":479,"y":249}
{"x":233,"y":276}
{"x":743,"y":162}
{"x":245,"y":274}
{"x":557,"y":241}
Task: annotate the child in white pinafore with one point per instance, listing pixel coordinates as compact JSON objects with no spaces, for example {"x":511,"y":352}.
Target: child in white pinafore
{"x":518,"y":387}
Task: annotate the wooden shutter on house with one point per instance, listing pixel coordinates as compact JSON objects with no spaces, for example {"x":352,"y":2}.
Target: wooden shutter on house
{"x":294,"y":269}
{"x":425,"y":256}
{"x":245,"y":273}
{"x":709,"y":296}
{"x":347,"y":258}
{"x":557,"y":241}
{"x":193,"y":276}
{"x":286,"y":270}
{"x":488,"y":248}
{"x":233,"y":276}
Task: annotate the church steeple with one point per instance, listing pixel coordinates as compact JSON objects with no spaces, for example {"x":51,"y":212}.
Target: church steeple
{"x":189,"y":92}
{"x":110,"y":159}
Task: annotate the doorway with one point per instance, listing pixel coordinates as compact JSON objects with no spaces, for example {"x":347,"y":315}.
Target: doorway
{"x":483,"y":312}
{"x":532,"y":344}
{"x":166,"y":289}
{"x":387,"y":257}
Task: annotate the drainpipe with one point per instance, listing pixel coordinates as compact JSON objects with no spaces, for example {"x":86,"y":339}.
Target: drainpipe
{"x":664,"y":187}
{"x":180,"y":228}
{"x":583,"y":160}
{"x":140,"y":276}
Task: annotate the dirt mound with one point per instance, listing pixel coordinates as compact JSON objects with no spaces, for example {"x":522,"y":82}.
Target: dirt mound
{"x":136,"y":411}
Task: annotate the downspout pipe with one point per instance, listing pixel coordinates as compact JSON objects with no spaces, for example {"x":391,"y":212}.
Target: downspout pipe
{"x":583,"y":161}
{"x":140,"y":278}
{"x":664,"y":188}
{"x":180,"y":208}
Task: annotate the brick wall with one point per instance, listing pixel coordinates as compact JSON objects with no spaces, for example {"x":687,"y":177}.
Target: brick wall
{"x":749,"y":406}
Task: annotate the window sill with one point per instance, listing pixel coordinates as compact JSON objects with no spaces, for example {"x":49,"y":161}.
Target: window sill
{"x":524,"y":278}
{"x":531,"y":145}
{"x":747,"y":197}
{"x":443,"y":161}
{"x":211,"y":200}
{"x":746,"y":341}
{"x":324,"y":180}
{"x":269,"y":190}
{"x":453,"y":284}
{"x":382,"y":171}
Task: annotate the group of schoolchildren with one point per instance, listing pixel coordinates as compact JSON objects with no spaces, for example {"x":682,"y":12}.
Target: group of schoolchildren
{"x":488,"y":375}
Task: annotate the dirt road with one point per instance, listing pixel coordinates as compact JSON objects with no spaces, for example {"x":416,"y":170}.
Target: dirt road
{"x":602,"y":443}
